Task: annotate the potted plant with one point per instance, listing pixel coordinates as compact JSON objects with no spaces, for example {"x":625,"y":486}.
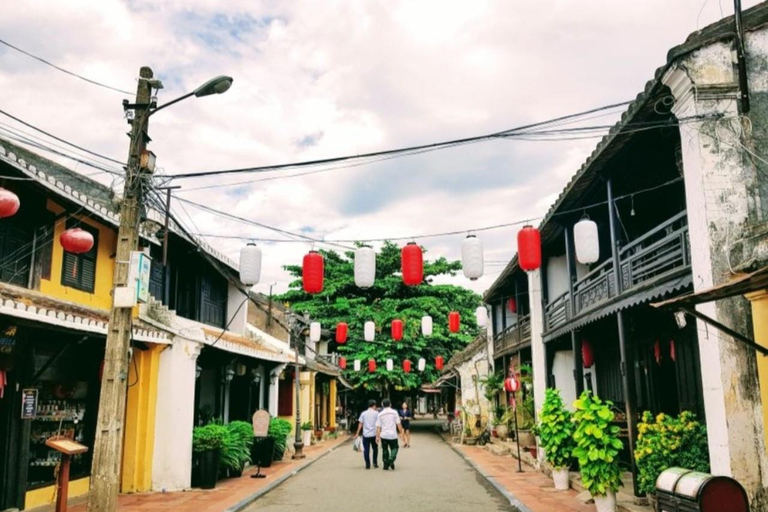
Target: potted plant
{"x":207,"y":442}
{"x":236,"y":448}
{"x":279,"y":430}
{"x":555,"y":431}
{"x":306,"y":433}
{"x":597,"y":449}
{"x":666,"y":441}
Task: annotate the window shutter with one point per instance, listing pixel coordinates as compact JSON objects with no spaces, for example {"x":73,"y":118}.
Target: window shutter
{"x":79,"y":270}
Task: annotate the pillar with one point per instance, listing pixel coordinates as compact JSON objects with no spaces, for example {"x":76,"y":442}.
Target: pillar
{"x":274,"y":383}
{"x":720,"y":192}
{"x":175,"y":416}
{"x":332,"y":400}
{"x":759,"y":302}
{"x":538,"y":354}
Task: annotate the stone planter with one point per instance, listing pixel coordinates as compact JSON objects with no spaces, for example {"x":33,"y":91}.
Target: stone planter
{"x":560,"y":476}
{"x":502,"y":431}
{"x":526,"y":438}
{"x":306,"y":437}
{"x":605,"y":503}
{"x":471,"y":441}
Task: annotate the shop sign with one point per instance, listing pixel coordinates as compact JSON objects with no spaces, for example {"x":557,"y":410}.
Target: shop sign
{"x":28,"y":404}
{"x":8,"y":340}
{"x":140,"y":268}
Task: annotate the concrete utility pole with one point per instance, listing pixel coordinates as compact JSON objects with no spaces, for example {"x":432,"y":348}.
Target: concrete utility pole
{"x":107,"y":451}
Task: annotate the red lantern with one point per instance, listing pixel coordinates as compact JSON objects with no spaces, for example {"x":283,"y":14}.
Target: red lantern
{"x":587,"y":356}
{"x":371,"y":365}
{"x":529,"y":248}
{"x":397,"y":330}
{"x":512,"y":305}
{"x":407,"y":366}
{"x":657,"y":352}
{"x":76,"y":241}
{"x":672,"y":351}
{"x":439,"y":362}
{"x":511,"y":385}
{"x":343,"y":363}
{"x":312,"y":272}
{"x":341,"y":333}
{"x":9,"y":203}
{"x":412,"y":264}
{"x":454,"y":321}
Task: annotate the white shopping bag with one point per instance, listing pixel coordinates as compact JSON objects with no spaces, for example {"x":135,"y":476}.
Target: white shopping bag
{"x":358,"y":444}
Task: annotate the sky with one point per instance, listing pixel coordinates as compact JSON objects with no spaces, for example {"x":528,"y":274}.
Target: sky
{"x":323,"y":79}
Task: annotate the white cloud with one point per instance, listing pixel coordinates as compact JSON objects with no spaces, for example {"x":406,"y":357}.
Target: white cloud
{"x":321,"y":79}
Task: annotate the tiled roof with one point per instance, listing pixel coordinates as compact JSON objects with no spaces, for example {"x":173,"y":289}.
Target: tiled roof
{"x":235,"y":343}
{"x":753,"y":19}
{"x":477,"y":345}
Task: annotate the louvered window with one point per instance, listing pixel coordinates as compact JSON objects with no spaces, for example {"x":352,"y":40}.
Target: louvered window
{"x":79,"y":270}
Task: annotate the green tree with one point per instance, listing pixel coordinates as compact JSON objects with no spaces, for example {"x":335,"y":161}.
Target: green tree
{"x":388,"y":299}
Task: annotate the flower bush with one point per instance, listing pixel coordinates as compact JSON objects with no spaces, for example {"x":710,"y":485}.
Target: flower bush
{"x":555,"y":430}
{"x":667,"y":441}
{"x":597,"y":445}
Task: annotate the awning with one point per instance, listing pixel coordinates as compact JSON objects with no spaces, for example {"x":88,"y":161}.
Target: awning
{"x":640,"y":297}
{"x":740,"y":285}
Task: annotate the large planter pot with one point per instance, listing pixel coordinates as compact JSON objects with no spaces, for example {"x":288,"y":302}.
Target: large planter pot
{"x":306,"y":437}
{"x":319,"y":435}
{"x":526,"y":438}
{"x":605,"y":503}
{"x":561,"y":478}
{"x":471,"y":441}
{"x":209,"y":468}
{"x":654,"y":501}
{"x":263,"y":451}
{"x":502,"y":431}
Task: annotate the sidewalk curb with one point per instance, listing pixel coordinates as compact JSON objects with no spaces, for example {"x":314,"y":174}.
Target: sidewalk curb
{"x":248,"y":500}
{"x":522,"y":507}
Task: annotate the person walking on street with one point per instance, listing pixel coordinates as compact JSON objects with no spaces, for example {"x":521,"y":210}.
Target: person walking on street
{"x":367,"y":425}
{"x":387,"y":427}
{"x":406,"y":415}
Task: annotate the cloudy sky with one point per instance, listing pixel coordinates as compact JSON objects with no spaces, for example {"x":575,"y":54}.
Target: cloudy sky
{"x":321,"y":79}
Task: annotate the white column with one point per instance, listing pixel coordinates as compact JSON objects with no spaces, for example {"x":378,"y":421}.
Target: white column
{"x":175,"y":416}
{"x":719,"y":189}
{"x":538,"y":354}
{"x":274,"y":377}
{"x":262,"y":383}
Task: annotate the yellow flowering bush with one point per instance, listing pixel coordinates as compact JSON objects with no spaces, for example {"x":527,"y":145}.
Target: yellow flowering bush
{"x":667,"y":441}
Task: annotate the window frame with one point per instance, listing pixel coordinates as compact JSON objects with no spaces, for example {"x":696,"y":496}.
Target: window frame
{"x":92,"y":255}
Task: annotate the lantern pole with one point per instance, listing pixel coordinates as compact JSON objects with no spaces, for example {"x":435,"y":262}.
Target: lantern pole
{"x":298,"y":445}
{"x":517,"y":434}
{"x":578,"y":372}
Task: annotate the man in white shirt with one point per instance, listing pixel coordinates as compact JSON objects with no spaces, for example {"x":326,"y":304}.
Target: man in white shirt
{"x":367,"y":425}
{"x":387,"y":427}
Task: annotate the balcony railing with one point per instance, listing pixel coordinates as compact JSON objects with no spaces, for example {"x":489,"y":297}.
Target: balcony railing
{"x":655,"y":254}
{"x":513,"y":336}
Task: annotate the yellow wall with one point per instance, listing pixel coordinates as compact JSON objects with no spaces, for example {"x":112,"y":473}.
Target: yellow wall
{"x":332,"y":404}
{"x":45,"y":495}
{"x":138,"y":447}
{"x":759,"y":301}
{"x":307,"y":380}
{"x":101,"y":298}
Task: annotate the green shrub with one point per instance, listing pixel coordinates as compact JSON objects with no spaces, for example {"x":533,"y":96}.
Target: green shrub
{"x":243,"y":430}
{"x":234,"y":452}
{"x":555,"y":430}
{"x":279,"y":430}
{"x":307,"y":425}
{"x":208,"y":437}
{"x":666,"y":441}
{"x":597,"y":445}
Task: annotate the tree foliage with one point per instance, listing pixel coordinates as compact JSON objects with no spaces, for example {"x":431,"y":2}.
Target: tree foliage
{"x":388,"y":299}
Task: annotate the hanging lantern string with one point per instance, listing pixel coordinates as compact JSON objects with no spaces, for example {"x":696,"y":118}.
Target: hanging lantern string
{"x":336,"y":242}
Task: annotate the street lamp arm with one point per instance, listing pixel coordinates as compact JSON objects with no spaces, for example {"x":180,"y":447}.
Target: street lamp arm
{"x":180,"y":98}
{"x":217,"y":85}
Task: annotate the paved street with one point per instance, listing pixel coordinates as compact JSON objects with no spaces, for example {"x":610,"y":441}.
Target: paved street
{"x":430,"y":476}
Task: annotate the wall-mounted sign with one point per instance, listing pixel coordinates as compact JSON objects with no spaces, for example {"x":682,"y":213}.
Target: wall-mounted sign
{"x":28,"y":404}
{"x":8,"y":340}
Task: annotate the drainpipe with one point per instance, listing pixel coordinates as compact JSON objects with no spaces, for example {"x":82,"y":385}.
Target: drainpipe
{"x":627,"y":367}
{"x":741,"y":58}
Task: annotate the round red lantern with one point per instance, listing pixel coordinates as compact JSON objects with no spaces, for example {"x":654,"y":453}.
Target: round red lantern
{"x":9,"y":203}
{"x":511,"y":385}
{"x":512,"y":305}
{"x":371,"y":365}
{"x":341,"y":333}
{"x":312,"y":272}
{"x":407,"y":366}
{"x":397,"y":330}
{"x":529,"y":248}
{"x":76,"y":241}
{"x":343,"y":363}
{"x":587,"y":356}
{"x":454,"y":321}
{"x":439,"y":362}
{"x":412,"y":261}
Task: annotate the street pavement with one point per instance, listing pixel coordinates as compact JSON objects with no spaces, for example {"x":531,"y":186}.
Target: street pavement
{"x":429,"y":476}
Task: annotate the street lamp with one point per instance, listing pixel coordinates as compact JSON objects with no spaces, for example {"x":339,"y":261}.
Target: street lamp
{"x":218,"y":85}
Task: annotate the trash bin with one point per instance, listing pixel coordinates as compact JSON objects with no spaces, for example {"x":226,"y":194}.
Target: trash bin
{"x":263,"y":451}
{"x":683,"y":490}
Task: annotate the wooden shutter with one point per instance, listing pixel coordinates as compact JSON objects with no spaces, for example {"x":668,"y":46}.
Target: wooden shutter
{"x":79,"y":270}
{"x":285,"y":397}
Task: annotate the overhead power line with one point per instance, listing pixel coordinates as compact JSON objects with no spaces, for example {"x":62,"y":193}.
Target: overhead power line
{"x":59,"y":68}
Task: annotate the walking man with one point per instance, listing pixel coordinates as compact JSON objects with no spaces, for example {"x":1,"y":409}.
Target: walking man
{"x":367,"y":425}
{"x":387,"y":427}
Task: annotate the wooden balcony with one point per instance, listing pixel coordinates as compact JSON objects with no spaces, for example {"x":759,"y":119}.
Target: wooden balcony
{"x":513,"y":337}
{"x":653,"y":258}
